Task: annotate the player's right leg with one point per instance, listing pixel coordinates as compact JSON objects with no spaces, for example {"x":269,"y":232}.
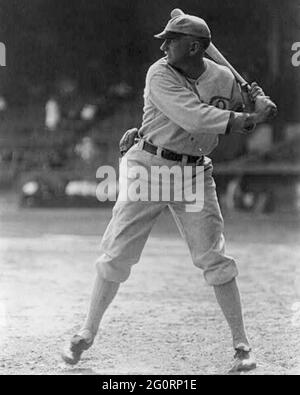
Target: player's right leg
{"x":203,"y":232}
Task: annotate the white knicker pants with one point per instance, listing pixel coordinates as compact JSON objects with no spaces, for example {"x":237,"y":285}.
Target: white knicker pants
{"x":132,"y":221}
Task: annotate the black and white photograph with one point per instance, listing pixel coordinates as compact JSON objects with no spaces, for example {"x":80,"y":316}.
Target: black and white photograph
{"x":149,"y":190}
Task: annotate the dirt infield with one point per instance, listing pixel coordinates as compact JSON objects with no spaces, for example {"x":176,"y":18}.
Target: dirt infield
{"x":165,"y":319}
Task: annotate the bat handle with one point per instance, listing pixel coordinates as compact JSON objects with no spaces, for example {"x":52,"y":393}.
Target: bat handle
{"x":249,"y":103}
{"x":245,"y":87}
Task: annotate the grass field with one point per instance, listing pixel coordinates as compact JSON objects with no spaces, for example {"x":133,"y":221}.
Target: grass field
{"x":164,"y":319}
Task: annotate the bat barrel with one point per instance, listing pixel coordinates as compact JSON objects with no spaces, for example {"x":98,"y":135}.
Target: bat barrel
{"x":216,"y":55}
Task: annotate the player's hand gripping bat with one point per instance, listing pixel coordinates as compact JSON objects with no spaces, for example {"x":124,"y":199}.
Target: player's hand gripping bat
{"x":216,"y":55}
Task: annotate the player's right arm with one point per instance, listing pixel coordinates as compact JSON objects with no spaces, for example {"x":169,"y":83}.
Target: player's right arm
{"x":183,"y":107}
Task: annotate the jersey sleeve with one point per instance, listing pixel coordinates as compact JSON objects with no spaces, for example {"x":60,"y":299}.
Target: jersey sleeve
{"x":183,"y":107}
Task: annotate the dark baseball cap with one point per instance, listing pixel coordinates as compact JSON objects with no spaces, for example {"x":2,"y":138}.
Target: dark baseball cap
{"x":185,"y":25}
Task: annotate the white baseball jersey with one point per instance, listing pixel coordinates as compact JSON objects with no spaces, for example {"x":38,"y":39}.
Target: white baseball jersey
{"x":186,"y":116}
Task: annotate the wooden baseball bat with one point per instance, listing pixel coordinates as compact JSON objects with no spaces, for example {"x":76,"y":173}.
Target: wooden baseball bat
{"x":216,"y":55}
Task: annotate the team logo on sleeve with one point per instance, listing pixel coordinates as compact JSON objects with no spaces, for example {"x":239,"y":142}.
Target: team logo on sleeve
{"x":220,"y":102}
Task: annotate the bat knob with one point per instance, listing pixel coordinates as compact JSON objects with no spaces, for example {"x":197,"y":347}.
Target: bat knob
{"x":176,"y":12}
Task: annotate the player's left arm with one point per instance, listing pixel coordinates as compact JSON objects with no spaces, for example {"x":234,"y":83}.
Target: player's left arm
{"x":244,"y":105}
{"x":241,"y":101}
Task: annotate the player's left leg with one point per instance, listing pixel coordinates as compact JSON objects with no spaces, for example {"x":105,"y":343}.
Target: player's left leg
{"x":102,"y":295}
{"x":121,"y":247}
{"x":203,"y":232}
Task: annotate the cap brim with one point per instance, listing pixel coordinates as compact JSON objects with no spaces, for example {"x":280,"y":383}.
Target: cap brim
{"x":167,"y":35}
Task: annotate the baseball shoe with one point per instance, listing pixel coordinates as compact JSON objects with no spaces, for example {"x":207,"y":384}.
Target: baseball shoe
{"x":244,"y":360}
{"x":71,"y":354}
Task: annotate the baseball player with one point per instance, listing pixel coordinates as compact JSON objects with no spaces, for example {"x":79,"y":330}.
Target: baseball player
{"x":188,"y":102}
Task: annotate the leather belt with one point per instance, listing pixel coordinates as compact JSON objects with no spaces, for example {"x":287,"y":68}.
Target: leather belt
{"x":170,"y":155}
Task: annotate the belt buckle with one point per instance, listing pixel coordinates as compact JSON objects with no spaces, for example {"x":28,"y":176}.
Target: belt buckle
{"x":160,"y":152}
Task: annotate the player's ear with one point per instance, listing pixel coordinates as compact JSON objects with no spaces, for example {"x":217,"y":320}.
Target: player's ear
{"x":195,"y":47}
{"x":200,"y":45}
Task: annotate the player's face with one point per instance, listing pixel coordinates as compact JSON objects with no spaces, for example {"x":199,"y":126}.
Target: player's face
{"x":177,"y":50}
